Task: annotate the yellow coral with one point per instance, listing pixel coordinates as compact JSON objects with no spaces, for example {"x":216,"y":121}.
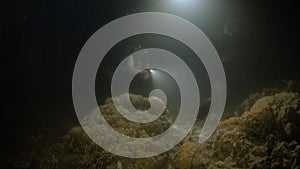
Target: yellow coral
{"x":186,"y":152}
{"x":149,"y":163}
{"x":230,"y":121}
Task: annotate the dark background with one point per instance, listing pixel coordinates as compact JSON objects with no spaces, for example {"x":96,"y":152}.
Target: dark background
{"x":42,"y":40}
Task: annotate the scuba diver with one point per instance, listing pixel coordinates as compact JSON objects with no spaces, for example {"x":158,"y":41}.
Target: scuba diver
{"x":231,"y":28}
{"x":135,"y":64}
{"x":143,"y":78}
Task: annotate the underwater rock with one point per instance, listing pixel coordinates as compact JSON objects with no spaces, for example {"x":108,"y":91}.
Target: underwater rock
{"x":286,"y":110}
{"x":280,"y":86}
{"x":265,"y":136}
{"x":77,"y":150}
{"x":74,"y":150}
{"x":257,"y":139}
{"x":160,"y":161}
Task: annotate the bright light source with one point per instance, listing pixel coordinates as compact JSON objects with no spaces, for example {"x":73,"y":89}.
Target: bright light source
{"x":185,"y":5}
{"x":182,"y":0}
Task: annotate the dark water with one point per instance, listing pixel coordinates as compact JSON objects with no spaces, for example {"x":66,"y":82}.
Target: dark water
{"x":43,"y":39}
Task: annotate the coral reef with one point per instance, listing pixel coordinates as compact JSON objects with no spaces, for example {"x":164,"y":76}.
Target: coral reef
{"x":280,"y":86}
{"x":265,"y":136}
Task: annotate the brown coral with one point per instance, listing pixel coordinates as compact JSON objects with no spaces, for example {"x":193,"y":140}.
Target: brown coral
{"x":266,"y":136}
{"x":186,"y":154}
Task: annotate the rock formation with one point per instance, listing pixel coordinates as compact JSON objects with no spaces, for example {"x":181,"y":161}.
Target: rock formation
{"x":265,"y":136}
